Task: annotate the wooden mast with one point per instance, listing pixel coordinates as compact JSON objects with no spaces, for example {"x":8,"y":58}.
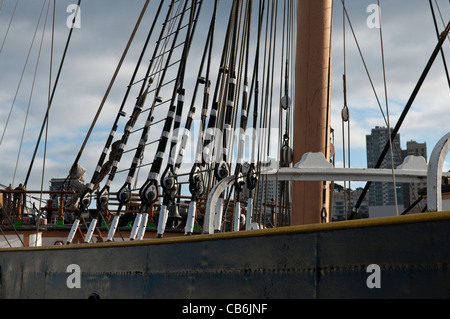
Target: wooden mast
{"x":312,"y":96}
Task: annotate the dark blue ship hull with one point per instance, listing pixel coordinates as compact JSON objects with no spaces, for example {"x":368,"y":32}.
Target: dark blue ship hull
{"x":410,"y":255}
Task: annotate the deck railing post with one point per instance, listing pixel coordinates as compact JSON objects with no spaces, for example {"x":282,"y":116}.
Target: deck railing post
{"x":434,"y":176}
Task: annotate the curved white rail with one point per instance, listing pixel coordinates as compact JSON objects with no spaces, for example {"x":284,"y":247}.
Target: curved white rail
{"x":434,"y":176}
{"x":314,"y":167}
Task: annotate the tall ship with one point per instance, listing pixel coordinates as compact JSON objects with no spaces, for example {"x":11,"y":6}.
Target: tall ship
{"x":215,"y":176}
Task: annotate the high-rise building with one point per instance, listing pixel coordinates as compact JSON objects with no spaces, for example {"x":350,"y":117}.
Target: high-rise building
{"x":411,"y":190}
{"x":267,"y":194}
{"x":345,"y":200}
{"x":383,"y":193}
{"x":56,"y":184}
{"x":416,"y":149}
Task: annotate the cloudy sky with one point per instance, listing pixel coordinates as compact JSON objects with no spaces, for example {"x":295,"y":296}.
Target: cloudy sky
{"x":409,"y":38}
{"x":408,"y":34}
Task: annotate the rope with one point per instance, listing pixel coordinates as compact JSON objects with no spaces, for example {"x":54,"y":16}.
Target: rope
{"x":239,"y":183}
{"x":222,"y":165}
{"x":97,"y":176}
{"x":252,"y":176}
{"x":6,"y":238}
{"x":266,"y":103}
{"x":116,"y":72}
{"x":180,"y":104}
{"x":274,"y":32}
{"x":49,"y":93}
{"x":124,"y":196}
{"x":442,"y":18}
{"x":38,"y":222}
{"x":345,"y":117}
{"x":149,"y":191}
{"x":437,"y":34}
{"x":414,"y":193}
{"x":86,"y":197}
{"x":209,"y":137}
{"x":21,"y":77}
{"x":169,"y":181}
{"x":158,"y":66}
{"x":9,"y":25}
{"x":364,"y":62}
{"x":175,"y":36}
{"x":196,"y":180}
{"x":32,"y":86}
{"x":52,"y":95}
{"x":283,"y":140}
{"x":387,"y":111}
{"x":405,"y":112}
{"x":161,"y":76}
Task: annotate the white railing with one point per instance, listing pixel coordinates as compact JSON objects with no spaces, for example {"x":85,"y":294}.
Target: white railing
{"x":315,"y":167}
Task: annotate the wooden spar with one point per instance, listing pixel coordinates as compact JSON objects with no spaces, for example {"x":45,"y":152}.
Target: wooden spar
{"x":312,"y":95}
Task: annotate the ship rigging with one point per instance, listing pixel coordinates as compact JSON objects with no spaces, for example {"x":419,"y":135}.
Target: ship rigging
{"x":231,"y":97}
{"x":182,"y":138}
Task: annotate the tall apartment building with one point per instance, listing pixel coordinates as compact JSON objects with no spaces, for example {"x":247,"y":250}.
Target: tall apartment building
{"x":55,"y":185}
{"x":382,"y":193}
{"x":411,"y":191}
{"x":416,"y":149}
{"x":266,"y":195}
{"x":345,"y":200}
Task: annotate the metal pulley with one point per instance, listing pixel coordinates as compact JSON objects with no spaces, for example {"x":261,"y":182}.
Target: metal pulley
{"x":239,"y":182}
{"x":251,"y":177}
{"x":150,"y":192}
{"x":201,"y":80}
{"x":196,"y":186}
{"x":345,"y":114}
{"x":221,"y":171}
{"x":285,"y":102}
{"x":85,"y":201}
{"x":169,"y":186}
{"x":124,"y":194}
{"x":286,"y":154}
{"x":102,"y":199}
{"x":168,"y":183}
